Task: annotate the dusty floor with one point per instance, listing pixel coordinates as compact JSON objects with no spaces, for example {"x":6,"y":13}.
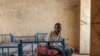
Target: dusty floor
{"x":80,"y":55}
{"x":72,"y":55}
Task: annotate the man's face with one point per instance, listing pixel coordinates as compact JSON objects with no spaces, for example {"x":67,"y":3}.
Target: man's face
{"x":58,"y":29}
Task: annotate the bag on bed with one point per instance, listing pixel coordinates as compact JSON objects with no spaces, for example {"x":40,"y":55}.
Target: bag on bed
{"x":42,"y":50}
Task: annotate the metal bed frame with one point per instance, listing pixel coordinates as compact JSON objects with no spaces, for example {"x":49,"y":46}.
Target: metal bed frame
{"x":8,"y":50}
{"x":21,"y":42}
{"x":4,"y":36}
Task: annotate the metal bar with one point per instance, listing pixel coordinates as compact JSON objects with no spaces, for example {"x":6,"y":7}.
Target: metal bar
{"x":8,"y":51}
{"x":8,"y":46}
{"x":23,"y":36}
{"x":35,"y":38}
{"x":4,"y":34}
{"x":32,"y":48}
{"x":19,"y":52}
{"x":21,"y":48}
{"x":63,"y":47}
{"x":2,"y":39}
{"x":2,"y":51}
{"x":11,"y":37}
{"x":40,"y":41}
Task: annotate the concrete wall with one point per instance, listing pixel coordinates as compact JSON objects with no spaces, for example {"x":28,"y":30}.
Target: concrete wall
{"x":95,"y":40}
{"x":85,"y":27}
{"x":26,"y":17}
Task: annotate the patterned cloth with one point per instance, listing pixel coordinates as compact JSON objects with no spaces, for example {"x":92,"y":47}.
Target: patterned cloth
{"x":45,"y":51}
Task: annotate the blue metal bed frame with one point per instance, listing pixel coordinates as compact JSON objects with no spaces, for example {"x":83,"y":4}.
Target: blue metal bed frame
{"x":31,"y":42}
{"x":33,"y":38}
{"x":5,"y":35}
{"x":12,"y":38}
{"x":20,"y":47}
{"x":8,"y":49}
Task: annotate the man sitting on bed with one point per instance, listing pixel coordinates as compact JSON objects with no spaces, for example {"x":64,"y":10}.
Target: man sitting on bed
{"x":56,"y":36}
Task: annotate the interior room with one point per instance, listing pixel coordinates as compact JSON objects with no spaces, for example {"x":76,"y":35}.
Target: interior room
{"x":79,"y":19}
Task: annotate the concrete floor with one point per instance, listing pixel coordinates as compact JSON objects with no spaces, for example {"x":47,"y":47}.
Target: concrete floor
{"x":72,"y":55}
{"x":79,"y":55}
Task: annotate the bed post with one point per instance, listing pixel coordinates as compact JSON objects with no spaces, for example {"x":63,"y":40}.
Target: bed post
{"x":20,"y":49}
{"x":35,"y":38}
{"x":11,"y":37}
{"x":2,"y":51}
{"x":63,"y":47}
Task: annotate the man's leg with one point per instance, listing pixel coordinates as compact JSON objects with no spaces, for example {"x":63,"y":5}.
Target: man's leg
{"x":69,"y":51}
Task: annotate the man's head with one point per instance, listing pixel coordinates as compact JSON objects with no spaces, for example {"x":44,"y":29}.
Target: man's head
{"x":57,"y":27}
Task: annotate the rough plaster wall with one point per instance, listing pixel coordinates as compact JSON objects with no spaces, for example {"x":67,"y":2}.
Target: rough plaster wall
{"x":85,"y":27}
{"x":95,"y":40}
{"x":26,"y":17}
